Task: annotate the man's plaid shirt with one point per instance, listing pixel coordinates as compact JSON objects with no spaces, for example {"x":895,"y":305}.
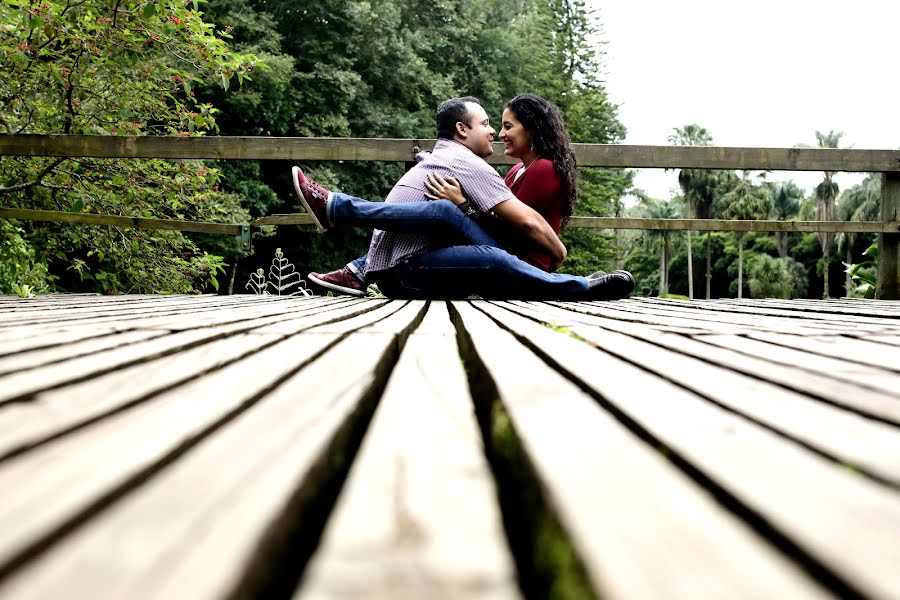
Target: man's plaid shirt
{"x":482,"y":185}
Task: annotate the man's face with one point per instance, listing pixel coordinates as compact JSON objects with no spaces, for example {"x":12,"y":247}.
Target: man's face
{"x":477,"y":135}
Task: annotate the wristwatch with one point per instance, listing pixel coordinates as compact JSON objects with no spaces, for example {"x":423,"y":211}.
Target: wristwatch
{"x":468,"y":209}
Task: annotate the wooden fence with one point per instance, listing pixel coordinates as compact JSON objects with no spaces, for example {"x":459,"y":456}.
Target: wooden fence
{"x":886,"y":162}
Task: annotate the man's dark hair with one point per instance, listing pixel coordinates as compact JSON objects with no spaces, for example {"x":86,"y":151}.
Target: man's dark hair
{"x":451,"y":112}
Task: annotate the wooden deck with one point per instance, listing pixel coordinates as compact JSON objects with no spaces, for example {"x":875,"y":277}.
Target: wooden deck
{"x":263,"y":447}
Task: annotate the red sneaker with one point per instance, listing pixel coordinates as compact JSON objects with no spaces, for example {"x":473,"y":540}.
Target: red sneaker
{"x":313,"y":196}
{"x":343,"y":281}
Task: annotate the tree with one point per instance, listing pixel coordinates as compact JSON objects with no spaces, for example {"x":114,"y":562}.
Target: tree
{"x":698,"y":188}
{"x":826,"y":193}
{"x":769,"y":277}
{"x":130,"y":68}
{"x":744,"y":200}
{"x":786,"y":198}
{"x":658,"y":209}
{"x":862,"y":202}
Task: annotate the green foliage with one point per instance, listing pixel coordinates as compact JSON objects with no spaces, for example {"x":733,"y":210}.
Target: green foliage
{"x":20,"y":271}
{"x":768,"y":277}
{"x":865,"y":274}
{"x":744,"y":199}
{"x":379,"y":69}
{"x":128,"y":68}
{"x":332,"y":68}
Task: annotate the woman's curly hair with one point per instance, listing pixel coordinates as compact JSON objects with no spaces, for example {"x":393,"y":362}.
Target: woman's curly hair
{"x":549,"y":139}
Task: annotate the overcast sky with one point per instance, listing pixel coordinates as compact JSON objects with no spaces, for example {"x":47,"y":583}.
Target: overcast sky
{"x":765,"y":73}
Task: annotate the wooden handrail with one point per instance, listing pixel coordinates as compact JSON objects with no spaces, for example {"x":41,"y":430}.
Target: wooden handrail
{"x":403,"y":150}
{"x":579,"y":222}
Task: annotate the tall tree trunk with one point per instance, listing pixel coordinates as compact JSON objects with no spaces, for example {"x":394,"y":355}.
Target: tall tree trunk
{"x":781,"y":238}
{"x":664,"y":265}
{"x":825,"y":276}
{"x":231,"y":278}
{"x":692,"y":212}
{"x":690,"y":260}
{"x":740,"y":266}
{"x":848,"y":283}
{"x":617,"y":239}
{"x":708,"y":265}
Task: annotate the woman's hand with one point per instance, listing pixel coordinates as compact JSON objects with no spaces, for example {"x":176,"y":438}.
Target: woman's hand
{"x":444,"y":189}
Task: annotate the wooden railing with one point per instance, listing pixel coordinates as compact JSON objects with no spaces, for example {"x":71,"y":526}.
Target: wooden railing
{"x":886,"y":162}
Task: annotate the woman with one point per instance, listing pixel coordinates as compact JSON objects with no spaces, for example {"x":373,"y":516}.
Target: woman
{"x":532,"y":131}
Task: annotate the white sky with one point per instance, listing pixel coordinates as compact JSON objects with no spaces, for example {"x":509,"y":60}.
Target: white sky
{"x":767,"y":73}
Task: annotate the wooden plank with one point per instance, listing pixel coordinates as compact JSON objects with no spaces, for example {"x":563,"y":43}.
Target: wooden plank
{"x":846,"y":437}
{"x":255,"y":315}
{"x":618,"y":311}
{"x":55,"y":318}
{"x":166,"y":317}
{"x":816,"y":507}
{"x":871,"y":311}
{"x":52,"y":339}
{"x":49,"y":414}
{"x":19,"y":385}
{"x":888,"y":287}
{"x":675,"y":316}
{"x":638,"y":524}
{"x":873,"y":403}
{"x":733,"y":225}
{"x":748,"y":321}
{"x":736,"y":312}
{"x":420,"y":473}
{"x":235,"y":229}
{"x":24,"y":359}
{"x":202,"y":530}
{"x":862,"y":376}
{"x":403,"y":150}
{"x":56,"y":216}
{"x":841,"y":347}
{"x":667,"y":224}
{"x":819,"y":309}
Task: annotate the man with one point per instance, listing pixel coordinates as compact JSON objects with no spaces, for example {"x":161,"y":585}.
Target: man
{"x":412,"y":260}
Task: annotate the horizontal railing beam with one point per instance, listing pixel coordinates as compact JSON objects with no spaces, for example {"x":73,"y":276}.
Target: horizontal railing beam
{"x":725,"y":225}
{"x":578,"y":222}
{"x":671,"y":224}
{"x":119,"y":221}
{"x":403,"y":150}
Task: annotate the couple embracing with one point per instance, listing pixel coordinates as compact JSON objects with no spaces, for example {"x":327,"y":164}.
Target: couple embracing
{"x":452,"y":227}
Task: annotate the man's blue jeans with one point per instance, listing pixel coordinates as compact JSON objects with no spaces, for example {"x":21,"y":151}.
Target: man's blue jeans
{"x":480,"y":268}
{"x":440,"y":217}
{"x":488,"y":271}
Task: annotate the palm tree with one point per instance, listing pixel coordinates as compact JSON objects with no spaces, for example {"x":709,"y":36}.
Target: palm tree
{"x":826,"y":193}
{"x":786,"y":197}
{"x":745,"y":200}
{"x":862,"y":202}
{"x":769,"y":277}
{"x":660,"y":209}
{"x":692,"y":182}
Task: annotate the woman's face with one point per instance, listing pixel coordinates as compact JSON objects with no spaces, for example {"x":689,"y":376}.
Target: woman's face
{"x":514,"y":136}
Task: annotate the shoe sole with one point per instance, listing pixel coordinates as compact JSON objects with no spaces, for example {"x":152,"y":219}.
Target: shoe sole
{"x":335,"y":287}
{"x":299,"y":192}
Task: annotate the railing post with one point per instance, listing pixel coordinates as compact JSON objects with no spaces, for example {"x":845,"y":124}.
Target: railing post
{"x":889,"y":243}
